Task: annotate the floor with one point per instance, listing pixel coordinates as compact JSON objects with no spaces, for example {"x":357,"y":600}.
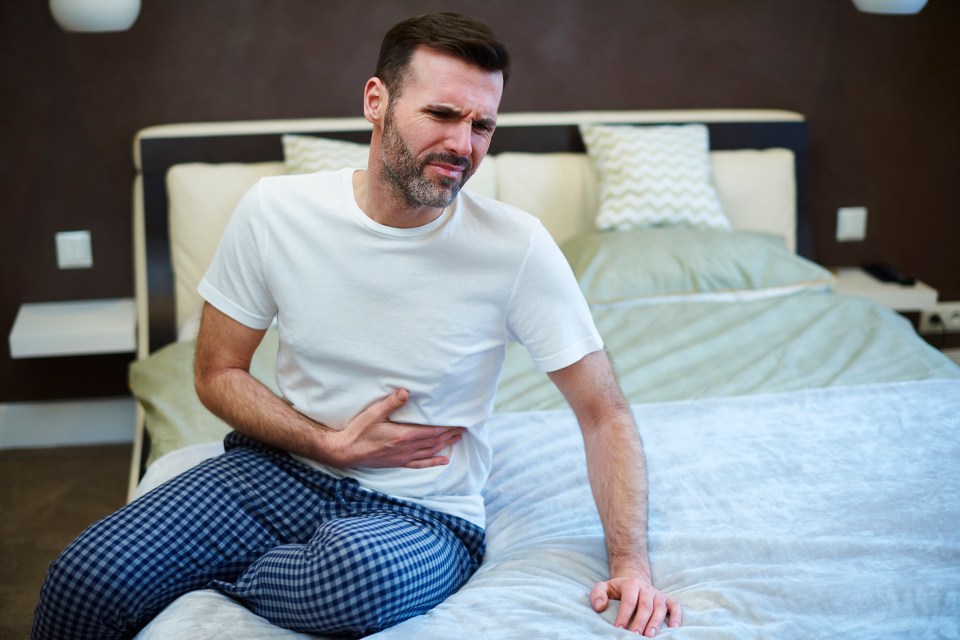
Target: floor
{"x":47,"y":497}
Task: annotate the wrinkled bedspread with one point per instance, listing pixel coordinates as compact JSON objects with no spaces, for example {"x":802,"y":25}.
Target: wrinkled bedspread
{"x":806,"y":514}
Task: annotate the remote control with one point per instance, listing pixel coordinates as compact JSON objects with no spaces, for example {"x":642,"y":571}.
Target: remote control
{"x":886,"y":273}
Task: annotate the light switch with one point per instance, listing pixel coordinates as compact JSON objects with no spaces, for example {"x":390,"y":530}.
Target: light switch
{"x":74,"y":250}
{"x":851,"y":224}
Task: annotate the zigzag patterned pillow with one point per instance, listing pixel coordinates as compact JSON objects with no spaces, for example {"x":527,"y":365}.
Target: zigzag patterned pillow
{"x":308,"y":154}
{"x":654,"y":176}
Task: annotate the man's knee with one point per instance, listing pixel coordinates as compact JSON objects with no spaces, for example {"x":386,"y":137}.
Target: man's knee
{"x":82,"y":596}
{"x":357,"y":576}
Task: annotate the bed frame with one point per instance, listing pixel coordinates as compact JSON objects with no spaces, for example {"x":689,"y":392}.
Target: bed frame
{"x":156,"y":149}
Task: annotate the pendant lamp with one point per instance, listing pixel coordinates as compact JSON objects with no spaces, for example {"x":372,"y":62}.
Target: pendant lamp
{"x":890,"y":6}
{"x":95,"y":15}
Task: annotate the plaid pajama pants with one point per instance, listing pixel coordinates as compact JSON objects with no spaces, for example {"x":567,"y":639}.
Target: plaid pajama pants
{"x":300,"y":548}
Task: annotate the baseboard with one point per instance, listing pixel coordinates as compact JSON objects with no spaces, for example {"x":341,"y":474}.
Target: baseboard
{"x":67,"y":423}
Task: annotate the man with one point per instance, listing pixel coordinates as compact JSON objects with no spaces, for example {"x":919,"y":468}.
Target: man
{"x":353,"y":502}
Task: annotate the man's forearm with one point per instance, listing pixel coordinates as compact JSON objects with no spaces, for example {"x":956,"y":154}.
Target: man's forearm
{"x":250,"y":407}
{"x":225,"y":386}
{"x":615,"y":460}
{"x":618,"y":477}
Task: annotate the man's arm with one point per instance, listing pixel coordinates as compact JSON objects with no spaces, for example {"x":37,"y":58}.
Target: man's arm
{"x":225,"y":386}
{"x":618,"y":477}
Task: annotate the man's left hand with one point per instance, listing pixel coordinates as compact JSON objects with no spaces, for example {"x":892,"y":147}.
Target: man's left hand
{"x":643,"y":607}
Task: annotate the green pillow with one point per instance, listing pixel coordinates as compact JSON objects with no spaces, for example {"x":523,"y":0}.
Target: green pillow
{"x":661,"y":265}
{"x":174,"y":416}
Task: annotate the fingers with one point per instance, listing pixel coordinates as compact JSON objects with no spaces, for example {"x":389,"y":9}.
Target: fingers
{"x":628,"y":606}
{"x":376,"y":441}
{"x":379,"y":411}
{"x":419,"y":436}
{"x":427,"y":441}
{"x":429,"y":456}
{"x":651,"y":611}
{"x":599,"y":598}
{"x":657,"y":616}
{"x":643,"y":608}
{"x":450,"y":436}
{"x":675,"y":611}
{"x":425,"y":463}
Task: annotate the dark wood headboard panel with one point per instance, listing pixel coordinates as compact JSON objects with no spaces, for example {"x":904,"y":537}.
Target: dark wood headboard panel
{"x":158,"y":153}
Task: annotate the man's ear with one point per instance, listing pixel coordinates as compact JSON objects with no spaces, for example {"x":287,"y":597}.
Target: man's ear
{"x":375,"y":100}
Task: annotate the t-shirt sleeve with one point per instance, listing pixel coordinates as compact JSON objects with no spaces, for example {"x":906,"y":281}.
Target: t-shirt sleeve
{"x":547,"y":312}
{"x":235,"y":283}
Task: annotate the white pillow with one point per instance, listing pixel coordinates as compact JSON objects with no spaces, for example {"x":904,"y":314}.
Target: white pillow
{"x":483,"y":182}
{"x":652,"y":176}
{"x":758,"y":190}
{"x":201,"y":199}
{"x":309,"y":154}
{"x":558,"y":188}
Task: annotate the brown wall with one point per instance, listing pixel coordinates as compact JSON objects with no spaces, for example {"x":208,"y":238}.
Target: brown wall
{"x":881,"y":94}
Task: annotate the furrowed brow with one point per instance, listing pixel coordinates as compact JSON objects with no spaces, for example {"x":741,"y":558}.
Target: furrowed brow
{"x":453,"y":112}
{"x":486,"y":123}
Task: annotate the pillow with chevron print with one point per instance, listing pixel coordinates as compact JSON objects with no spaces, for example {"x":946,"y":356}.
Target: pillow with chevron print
{"x":308,"y":154}
{"x":654,"y":176}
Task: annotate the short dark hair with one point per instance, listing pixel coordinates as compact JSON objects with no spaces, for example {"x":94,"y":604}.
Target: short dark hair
{"x":466,"y":38}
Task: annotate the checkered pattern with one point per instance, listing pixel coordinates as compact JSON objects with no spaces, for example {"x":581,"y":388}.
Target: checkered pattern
{"x":298,"y":547}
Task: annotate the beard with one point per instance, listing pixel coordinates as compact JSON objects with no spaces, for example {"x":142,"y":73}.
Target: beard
{"x":407,"y":176}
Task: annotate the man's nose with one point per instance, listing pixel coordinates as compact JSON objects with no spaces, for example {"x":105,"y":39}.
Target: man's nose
{"x":459,"y":139}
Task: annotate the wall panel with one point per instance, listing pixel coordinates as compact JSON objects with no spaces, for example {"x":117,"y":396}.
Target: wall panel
{"x":881,"y":93}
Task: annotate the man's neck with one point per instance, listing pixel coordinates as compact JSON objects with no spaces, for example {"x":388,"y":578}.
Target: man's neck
{"x":384,"y":206}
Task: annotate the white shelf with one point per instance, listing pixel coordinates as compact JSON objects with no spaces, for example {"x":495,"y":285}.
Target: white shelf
{"x":857,"y":282}
{"x":82,"y":327}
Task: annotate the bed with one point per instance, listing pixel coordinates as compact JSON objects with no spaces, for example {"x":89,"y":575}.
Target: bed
{"x":802,"y":445}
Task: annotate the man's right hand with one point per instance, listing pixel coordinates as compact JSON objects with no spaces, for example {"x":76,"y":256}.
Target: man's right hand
{"x":372,"y":440}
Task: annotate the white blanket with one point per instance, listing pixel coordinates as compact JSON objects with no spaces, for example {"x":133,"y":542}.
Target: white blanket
{"x":811,"y":514}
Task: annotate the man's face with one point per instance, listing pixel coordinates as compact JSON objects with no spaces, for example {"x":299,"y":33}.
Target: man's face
{"x":438,"y":130}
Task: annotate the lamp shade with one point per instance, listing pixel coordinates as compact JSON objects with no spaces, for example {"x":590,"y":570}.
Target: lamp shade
{"x":95,"y":15}
{"x":890,"y":6}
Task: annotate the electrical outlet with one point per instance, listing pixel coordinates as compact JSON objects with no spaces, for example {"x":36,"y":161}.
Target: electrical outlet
{"x":948,"y":314}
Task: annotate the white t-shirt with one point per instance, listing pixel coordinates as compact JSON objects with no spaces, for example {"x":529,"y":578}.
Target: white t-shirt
{"x":363,"y":309}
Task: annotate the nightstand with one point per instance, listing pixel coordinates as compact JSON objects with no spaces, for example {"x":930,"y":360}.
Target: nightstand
{"x":71,"y":362}
{"x":904,"y":298}
{"x":81,"y":327}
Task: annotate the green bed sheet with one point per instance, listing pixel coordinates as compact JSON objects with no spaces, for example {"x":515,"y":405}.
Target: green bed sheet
{"x":687,"y":350}
{"x":661,"y":352}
